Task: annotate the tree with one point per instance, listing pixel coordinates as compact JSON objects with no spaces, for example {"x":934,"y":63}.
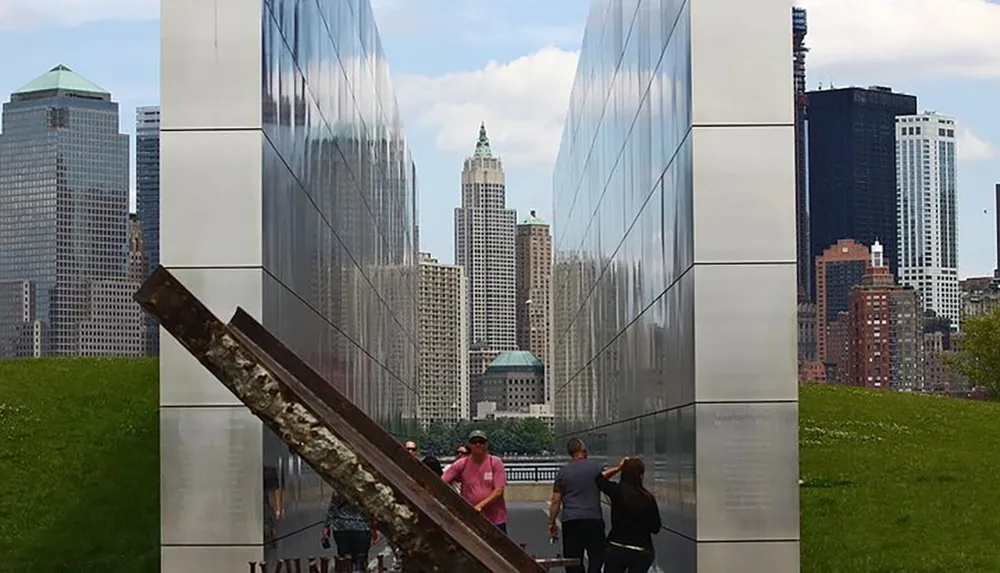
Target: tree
{"x":978,"y":355}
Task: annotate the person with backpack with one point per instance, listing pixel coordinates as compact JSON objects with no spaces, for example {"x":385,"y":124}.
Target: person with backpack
{"x":635,"y":517}
{"x":482,"y":479}
{"x":353,"y":533}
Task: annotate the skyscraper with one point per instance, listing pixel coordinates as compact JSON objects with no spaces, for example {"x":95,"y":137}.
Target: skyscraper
{"x":996,"y":211}
{"x":885,"y":332}
{"x":484,"y":245}
{"x":852,"y":166}
{"x":63,"y":201}
{"x":803,"y":253}
{"x":147,"y":196}
{"x":927,"y":211}
{"x":534,"y":285}
{"x":839,"y":268}
{"x":443,"y":336}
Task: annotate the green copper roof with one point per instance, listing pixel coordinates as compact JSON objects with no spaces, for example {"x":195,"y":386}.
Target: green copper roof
{"x":516,"y":359}
{"x":532,"y":219}
{"x":62,"y":78}
{"x":483,"y":144}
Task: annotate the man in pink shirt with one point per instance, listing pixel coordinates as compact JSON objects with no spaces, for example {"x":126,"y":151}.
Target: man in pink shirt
{"x":482,"y":479}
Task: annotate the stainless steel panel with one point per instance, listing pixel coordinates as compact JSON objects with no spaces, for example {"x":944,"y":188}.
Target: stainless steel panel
{"x":745,"y":332}
{"x":741,"y":64}
{"x":677,"y":554}
{"x":747,"y":474}
{"x":687,"y":470}
{"x":765,"y":557}
{"x":219,"y":559}
{"x":210,"y":203}
{"x":183,"y":380}
{"x":211,"y":482}
{"x":744,"y":194}
{"x":210,"y":72}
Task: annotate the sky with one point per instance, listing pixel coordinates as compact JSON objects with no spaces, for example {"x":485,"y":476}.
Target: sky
{"x":510,"y":64}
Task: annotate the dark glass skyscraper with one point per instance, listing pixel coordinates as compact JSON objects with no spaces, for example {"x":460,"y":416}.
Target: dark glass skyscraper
{"x":63,"y":202}
{"x":147,"y":195}
{"x":852,"y":166}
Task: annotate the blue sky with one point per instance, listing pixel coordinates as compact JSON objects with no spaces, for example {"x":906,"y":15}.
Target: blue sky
{"x":511,"y":63}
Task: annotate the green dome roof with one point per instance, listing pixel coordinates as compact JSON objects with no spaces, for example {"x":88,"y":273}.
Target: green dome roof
{"x":516,"y":359}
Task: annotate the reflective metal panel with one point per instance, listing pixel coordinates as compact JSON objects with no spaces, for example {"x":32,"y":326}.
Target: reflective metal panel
{"x":183,"y":381}
{"x":751,"y":557}
{"x":739,"y":173}
{"x":187,"y":558}
{"x":742,"y":62}
{"x":210,"y":206}
{"x":210,"y":476}
{"x":210,"y":64}
{"x":745,"y":338}
{"x":748,"y":473}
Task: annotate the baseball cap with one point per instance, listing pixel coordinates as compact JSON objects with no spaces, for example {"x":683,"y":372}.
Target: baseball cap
{"x":474,"y":434}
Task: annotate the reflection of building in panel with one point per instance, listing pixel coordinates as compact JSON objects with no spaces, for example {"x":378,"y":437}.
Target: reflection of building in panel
{"x":287,"y":189}
{"x":63,"y":198}
{"x":646,"y":262}
{"x":444,"y":342}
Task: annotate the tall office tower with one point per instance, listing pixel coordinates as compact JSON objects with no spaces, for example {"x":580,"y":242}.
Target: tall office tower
{"x":147,"y":196}
{"x":927,"y":211}
{"x":534,"y":286}
{"x":484,"y":245}
{"x":804,"y":254}
{"x":885,"y":332}
{"x":288,"y":189}
{"x":839,"y":268}
{"x":852,"y":166}
{"x":651,"y":283}
{"x":443,"y":335}
{"x":63,"y":199}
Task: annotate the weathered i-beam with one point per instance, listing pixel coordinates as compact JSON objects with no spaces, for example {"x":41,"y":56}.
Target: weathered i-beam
{"x":424,"y":518}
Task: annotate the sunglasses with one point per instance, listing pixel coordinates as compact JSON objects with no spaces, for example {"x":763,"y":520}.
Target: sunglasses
{"x":461,"y":453}
{"x":411,"y":449}
{"x":477,"y":442}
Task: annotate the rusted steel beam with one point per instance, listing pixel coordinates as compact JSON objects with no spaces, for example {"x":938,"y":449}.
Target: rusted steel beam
{"x":426,"y":520}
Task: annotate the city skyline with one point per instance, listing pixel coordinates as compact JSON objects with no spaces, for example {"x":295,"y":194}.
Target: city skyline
{"x":516,"y":78}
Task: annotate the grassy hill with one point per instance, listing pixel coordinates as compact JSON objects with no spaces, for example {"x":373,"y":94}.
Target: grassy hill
{"x":898,"y":483}
{"x":79,"y":466}
{"x":893,"y":483}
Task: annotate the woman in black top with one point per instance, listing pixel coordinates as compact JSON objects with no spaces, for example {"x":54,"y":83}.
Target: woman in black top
{"x":634,"y":518}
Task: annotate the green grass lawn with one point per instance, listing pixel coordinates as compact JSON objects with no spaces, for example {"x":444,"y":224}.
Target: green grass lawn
{"x":898,"y":483}
{"x":894,"y":483}
{"x":79,"y":466}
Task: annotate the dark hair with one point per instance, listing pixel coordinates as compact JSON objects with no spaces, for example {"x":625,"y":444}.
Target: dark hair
{"x":434,"y":464}
{"x":575,"y":446}
{"x":634,"y":495}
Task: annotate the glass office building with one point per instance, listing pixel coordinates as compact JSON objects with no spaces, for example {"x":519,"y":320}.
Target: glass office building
{"x":147,"y":196}
{"x":287,"y":188}
{"x":675,"y":271}
{"x":63,"y":210}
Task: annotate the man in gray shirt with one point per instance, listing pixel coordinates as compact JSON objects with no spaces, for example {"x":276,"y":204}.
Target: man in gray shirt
{"x":575,"y":493}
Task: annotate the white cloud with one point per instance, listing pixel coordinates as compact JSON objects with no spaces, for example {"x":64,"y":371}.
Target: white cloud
{"x":973,"y":148}
{"x":956,"y":38}
{"x":523,"y":103}
{"x":24,"y":14}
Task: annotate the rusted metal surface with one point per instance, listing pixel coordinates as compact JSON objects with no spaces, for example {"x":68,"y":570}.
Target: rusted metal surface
{"x":423,"y":517}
